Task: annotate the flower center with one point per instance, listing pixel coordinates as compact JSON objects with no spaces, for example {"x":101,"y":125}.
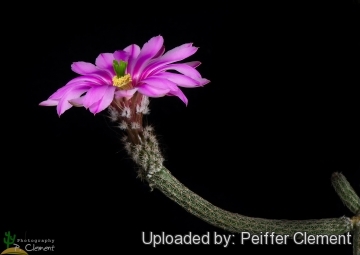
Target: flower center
{"x":123,"y":82}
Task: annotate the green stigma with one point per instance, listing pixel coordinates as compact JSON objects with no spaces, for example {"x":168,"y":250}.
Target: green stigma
{"x":119,"y":68}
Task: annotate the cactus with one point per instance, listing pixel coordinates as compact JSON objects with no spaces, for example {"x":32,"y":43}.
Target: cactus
{"x":10,"y":240}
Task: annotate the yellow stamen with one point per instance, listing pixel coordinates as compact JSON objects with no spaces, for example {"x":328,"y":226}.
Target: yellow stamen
{"x":123,"y":82}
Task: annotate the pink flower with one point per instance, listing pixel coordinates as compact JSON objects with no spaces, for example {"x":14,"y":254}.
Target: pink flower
{"x":125,"y":72}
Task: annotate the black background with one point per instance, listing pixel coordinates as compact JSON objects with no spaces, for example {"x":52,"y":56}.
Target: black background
{"x":280,"y":115}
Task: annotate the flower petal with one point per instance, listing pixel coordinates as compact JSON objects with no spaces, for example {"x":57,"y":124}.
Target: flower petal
{"x":95,"y":79}
{"x":105,"y":60}
{"x":183,"y":80}
{"x":148,"y":51}
{"x":193,"y":63}
{"x":161,"y":83}
{"x":125,"y":93}
{"x":89,"y":69}
{"x":77,"y":102}
{"x":95,"y":94}
{"x":179,"y":53}
{"x":121,"y":55}
{"x":64,"y":104}
{"x":179,"y":94}
{"x":49,"y":102}
{"x":84,"y":68}
{"x":105,"y":101}
{"x":89,"y":80}
{"x":203,"y":81}
{"x":133,"y":50}
{"x":150,"y":91}
{"x":179,"y":79}
{"x":181,"y":68}
{"x":160,"y":52}
{"x":70,"y":86}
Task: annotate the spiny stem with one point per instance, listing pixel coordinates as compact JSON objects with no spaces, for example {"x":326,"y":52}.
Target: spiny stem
{"x":233,"y":222}
{"x":143,"y":147}
{"x":346,"y":193}
{"x":356,"y":239}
